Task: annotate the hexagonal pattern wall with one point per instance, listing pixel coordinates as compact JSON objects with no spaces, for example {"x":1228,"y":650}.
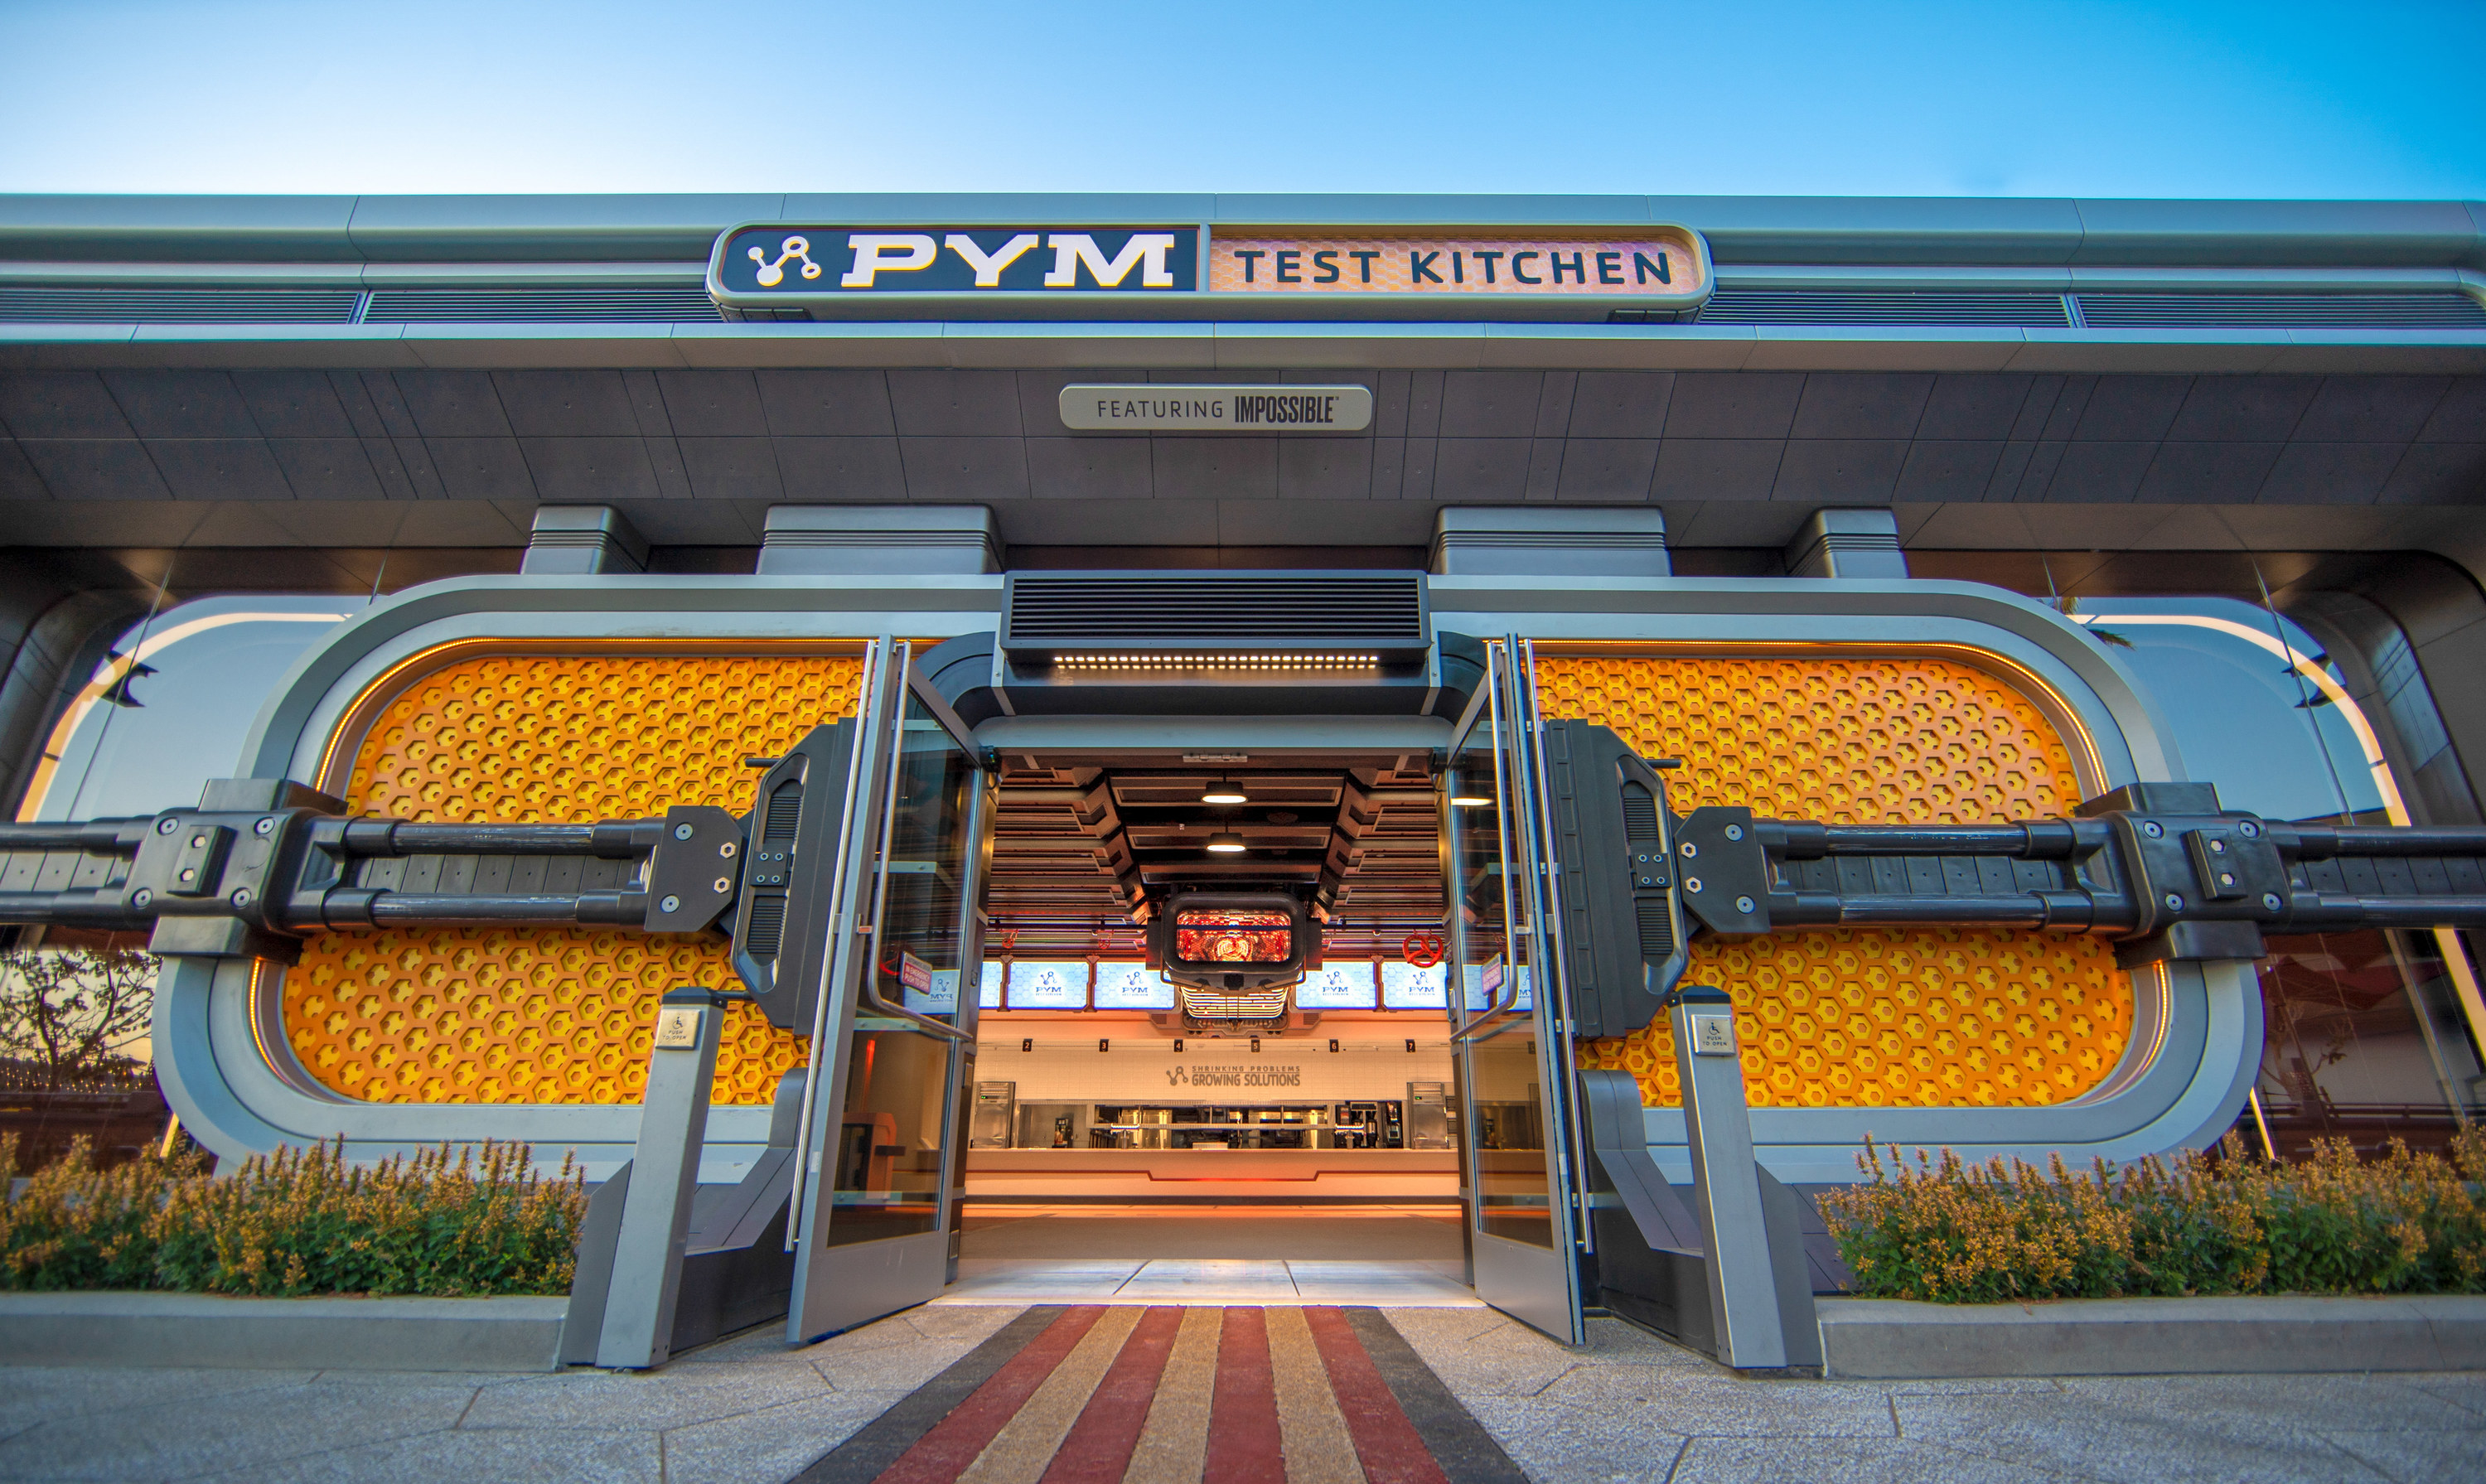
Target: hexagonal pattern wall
{"x":487,"y":1015}
{"x":1865,"y":1017}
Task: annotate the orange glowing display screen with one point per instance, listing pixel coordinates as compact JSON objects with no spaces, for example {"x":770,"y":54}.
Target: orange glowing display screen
{"x":1234,"y":937}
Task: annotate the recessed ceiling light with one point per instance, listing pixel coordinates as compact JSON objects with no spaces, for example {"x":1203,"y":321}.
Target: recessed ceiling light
{"x":1226,"y":843}
{"x":1224,"y":793}
{"x":1470,"y":800}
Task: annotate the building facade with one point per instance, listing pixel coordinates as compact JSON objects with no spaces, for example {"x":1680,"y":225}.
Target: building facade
{"x":1210,"y":544}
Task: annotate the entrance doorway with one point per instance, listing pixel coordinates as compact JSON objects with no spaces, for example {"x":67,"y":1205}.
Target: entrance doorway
{"x":1134,"y":1135}
{"x":1252,"y":1024}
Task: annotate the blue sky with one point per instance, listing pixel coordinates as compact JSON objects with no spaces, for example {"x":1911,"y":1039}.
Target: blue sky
{"x":2368,"y":99}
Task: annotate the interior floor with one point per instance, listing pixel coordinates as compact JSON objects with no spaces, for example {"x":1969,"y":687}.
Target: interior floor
{"x":1262,"y":1233}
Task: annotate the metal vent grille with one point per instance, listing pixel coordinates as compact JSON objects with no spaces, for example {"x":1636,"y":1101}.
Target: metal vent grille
{"x":634,"y":304}
{"x":1885,"y":306}
{"x":767,"y":928}
{"x":785,"y":807}
{"x":1371,"y":612}
{"x":2448,"y":310}
{"x":179,"y":306}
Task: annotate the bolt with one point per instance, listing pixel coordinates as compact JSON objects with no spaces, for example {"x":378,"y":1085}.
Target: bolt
{"x":2218,"y":847}
{"x":197,"y":840}
{"x":681,"y":832}
{"x":141,"y":897}
{"x":167,"y":825}
{"x":720,"y":886}
{"x":1692,"y":883}
{"x":263,"y":827}
{"x":1690,"y":850}
{"x":1742,"y":904}
{"x":2270,"y":901}
{"x":1734,"y":832}
{"x":2174,"y":903}
{"x":2249,"y":828}
{"x":2227,"y":878}
{"x":2153,"y":829}
{"x":190,"y":875}
{"x":241,"y":898}
{"x":726,"y":850}
{"x":670,"y":904}
{"x":1661,"y":881}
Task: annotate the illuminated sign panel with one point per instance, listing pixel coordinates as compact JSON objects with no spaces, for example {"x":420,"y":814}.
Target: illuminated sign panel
{"x":1635,"y":264}
{"x":1172,"y":271}
{"x":1180,"y":408}
{"x":758,"y":266}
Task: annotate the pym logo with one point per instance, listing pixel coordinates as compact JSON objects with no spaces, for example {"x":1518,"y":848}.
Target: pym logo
{"x":1174,"y":1076}
{"x":771,"y":274}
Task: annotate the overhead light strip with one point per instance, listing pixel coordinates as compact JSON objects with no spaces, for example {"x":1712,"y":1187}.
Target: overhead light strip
{"x":1278,"y":661}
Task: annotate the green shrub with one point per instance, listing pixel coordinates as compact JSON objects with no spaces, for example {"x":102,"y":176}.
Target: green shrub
{"x":1955,"y":1233}
{"x":468,"y":1222}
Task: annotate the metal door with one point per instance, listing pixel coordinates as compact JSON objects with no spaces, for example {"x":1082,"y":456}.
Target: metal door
{"x":883,"y":1136}
{"x":1517,"y":1093}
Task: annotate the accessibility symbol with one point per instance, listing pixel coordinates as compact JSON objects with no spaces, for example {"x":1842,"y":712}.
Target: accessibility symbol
{"x":771,"y":274}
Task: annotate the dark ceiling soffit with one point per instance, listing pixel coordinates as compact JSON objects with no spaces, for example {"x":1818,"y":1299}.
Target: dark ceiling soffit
{"x":1755,"y":228}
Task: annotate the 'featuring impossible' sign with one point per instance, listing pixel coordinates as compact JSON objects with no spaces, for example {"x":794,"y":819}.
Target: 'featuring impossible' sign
{"x":1166,"y":408}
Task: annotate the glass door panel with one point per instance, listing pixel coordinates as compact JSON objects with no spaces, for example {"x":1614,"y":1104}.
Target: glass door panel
{"x":895,"y":1040}
{"x":1513,"y":1064}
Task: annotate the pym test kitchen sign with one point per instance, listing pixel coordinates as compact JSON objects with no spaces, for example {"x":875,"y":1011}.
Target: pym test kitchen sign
{"x":799,"y":272}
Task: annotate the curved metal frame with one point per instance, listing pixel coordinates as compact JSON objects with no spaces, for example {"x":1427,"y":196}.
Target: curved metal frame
{"x":226,"y":1067}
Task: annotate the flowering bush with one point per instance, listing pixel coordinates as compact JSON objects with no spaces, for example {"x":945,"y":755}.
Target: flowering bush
{"x":443,"y":1223}
{"x":1956,"y":1233}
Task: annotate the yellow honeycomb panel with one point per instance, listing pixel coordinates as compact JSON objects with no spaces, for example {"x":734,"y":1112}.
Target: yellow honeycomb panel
{"x":1865,"y":1017}
{"x":549,"y":1015}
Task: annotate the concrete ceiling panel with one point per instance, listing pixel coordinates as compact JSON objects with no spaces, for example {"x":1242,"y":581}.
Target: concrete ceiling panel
{"x":453,"y":403}
{"x":964,"y":471}
{"x":1862,"y":404}
{"x":1719,"y":404}
{"x":731,"y":468}
{"x":2243,"y":409}
{"x":1611,"y":470}
{"x":830,"y":471}
{"x":1840,"y":471}
{"x":1186,"y":467}
{"x":1717,"y":468}
{"x":2208,"y":473}
{"x":1943,"y":469}
{"x":60,"y":404}
{"x":567,"y":403}
{"x":2439,"y":474}
{"x":2372,"y":409}
{"x":2461,"y":416}
{"x":588,"y":471}
{"x":2330,"y":473}
{"x":955,"y":404}
{"x":181,"y":403}
{"x":1620,"y":405}
{"x":327,"y":469}
{"x":1109,"y":468}
{"x":296,"y":403}
{"x":2131,"y":408}
{"x":481,"y":469}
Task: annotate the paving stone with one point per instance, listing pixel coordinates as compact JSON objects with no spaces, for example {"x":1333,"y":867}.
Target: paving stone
{"x":1556,"y":1444}
{"x":2415,"y":1457}
{"x":38,"y":1393}
{"x":474,"y":1456}
{"x":1710,"y":1405}
{"x":1844,"y":1461}
{"x":2113,"y":1439}
{"x":256,"y":1428}
{"x":2467,"y":1391}
{"x":768,"y":1446}
{"x":654,"y":1401}
{"x":2287,"y":1401}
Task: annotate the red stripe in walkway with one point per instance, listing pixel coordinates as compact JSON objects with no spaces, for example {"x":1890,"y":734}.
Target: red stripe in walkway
{"x":942,"y":1454}
{"x":1245,"y":1444}
{"x":1386,"y":1443}
{"x":1099,"y":1447}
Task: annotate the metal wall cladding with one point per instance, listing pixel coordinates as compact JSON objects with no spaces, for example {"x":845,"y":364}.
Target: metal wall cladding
{"x":1854,"y":1017}
{"x":489,"y":1015}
